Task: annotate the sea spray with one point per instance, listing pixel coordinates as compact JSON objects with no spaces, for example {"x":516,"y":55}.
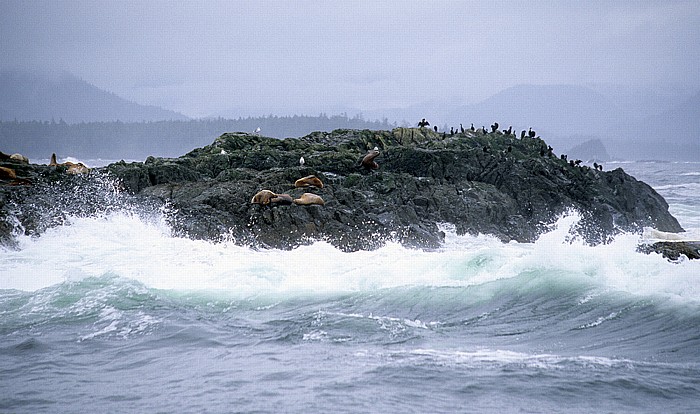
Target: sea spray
{"x":143,"y":249}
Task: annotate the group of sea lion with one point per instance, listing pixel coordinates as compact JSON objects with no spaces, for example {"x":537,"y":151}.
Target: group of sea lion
{"x":269,"y":198}
{"x":9,"y":174}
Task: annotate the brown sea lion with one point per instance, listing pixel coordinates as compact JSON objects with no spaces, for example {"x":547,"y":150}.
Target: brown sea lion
{"x":308,"y":181}
{"x":71,"y":167}
{"x":368,"y":160}
{"x":308,"y":199}
{"x":263,"y":197}
{"x":76,"y":168}
{"x":7,"y":173}
{"x":282,"y":199}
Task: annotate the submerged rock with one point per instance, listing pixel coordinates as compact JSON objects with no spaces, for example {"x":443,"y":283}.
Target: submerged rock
{"x":480,"y":183}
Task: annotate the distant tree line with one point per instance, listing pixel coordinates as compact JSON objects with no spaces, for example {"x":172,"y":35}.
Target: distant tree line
{"x":136,"y":140}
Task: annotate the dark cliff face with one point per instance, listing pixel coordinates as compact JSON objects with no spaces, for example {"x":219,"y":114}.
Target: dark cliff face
{"x":493,"y":184}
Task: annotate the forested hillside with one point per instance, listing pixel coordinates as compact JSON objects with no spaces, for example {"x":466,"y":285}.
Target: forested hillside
{"x":117,"y":140}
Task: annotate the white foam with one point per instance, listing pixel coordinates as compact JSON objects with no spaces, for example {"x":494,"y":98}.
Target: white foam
{"x":130,"y":247}
{"x":484,"y":358}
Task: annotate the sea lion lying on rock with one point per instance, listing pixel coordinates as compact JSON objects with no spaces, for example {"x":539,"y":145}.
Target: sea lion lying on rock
{"x":263,"y":197}
{"x":282,"y":199}
{"x":71,"y":167}
{"x":309,"y":181}
{"x":267,"y":197}
{"x":308,"y":199}
{"x":19,"y":157}
{"x":7,"y":173}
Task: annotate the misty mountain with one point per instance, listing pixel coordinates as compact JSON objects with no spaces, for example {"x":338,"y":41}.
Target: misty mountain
{"x":682,"y":119}
{"x":45,"y":95}
{"x":552,"y":110}
{"x":589,"y":151}
{"x":640,"y":103}
{"x":631,"y":123}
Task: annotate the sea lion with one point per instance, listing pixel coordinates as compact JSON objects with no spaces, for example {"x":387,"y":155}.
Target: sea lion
{"x":308,"y":199}
{"x":7,"y":174}
{"x":308,"y":181}
{"x":71,"y":167}
{"x":263,"y":197}
{"x":368,"y":160}
{"x":282,"y":199}
{"x":76,"y":168}
{"x":19,"y":157}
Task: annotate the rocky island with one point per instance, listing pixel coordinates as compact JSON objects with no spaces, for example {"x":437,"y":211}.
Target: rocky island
{"x":493,"y":183}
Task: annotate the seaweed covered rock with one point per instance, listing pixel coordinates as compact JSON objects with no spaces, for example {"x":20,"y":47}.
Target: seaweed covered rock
{"x":480,"y":183}
{"x":490,"y":183}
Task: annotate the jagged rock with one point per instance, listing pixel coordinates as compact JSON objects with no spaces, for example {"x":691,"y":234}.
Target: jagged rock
{"x":673,"y":250}
{"x":480,"y":183}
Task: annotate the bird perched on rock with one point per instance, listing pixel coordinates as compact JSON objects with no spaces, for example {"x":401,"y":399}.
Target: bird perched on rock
{"x":423,"y":123}
{"x":301,"y":161}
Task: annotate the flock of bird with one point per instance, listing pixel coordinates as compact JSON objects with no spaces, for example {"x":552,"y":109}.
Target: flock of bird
{"x":530,"y":133}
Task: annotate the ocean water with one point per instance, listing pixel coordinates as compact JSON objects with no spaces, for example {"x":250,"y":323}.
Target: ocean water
{"x":111,"y":313}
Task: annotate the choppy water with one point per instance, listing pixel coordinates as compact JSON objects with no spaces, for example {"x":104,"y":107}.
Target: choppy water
{"x":113,"y":314}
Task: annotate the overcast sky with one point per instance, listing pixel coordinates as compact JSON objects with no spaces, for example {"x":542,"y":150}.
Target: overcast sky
{"x":306,"y":56}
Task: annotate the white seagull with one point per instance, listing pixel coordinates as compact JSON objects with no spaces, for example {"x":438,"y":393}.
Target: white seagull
{"x":301,"y":161}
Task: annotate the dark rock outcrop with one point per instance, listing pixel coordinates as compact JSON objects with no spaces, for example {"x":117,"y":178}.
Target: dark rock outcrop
{"x":493,"y":183}
{"x":673,"y":250}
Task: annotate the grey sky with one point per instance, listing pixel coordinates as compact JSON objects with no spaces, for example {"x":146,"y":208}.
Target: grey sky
{"x":307,"y":56}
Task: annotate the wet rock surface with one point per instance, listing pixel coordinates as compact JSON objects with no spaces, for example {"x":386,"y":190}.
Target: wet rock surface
{"x":492,"y":183}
